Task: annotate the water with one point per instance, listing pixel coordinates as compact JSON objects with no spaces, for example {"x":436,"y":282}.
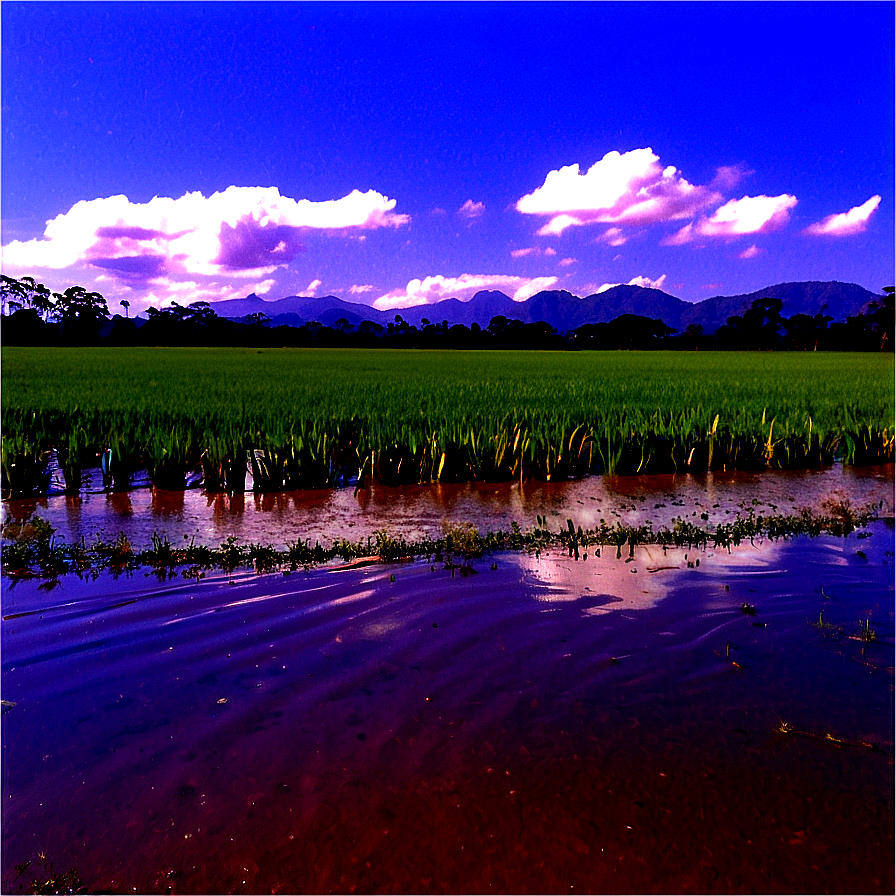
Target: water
{"x":417,"y":512}
{"x":543,"y":726}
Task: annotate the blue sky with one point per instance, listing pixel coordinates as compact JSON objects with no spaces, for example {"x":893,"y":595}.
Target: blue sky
{"x":397,"y":153}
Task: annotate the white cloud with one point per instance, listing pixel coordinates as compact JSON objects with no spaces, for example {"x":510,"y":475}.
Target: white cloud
{"x":184,"y":292}
{"x":312,"y":287}
{"x":242,"y":231}
{"x":529,"y":288}
{"x":622,"y":188}
{"x":752,"y":252}
{"x":362,"y":288}
{"x":737,"y":217}
{"x":750,"y":214}
{"x":436,"y":288}
{"x":263,"y":287}
{"x":534,"y":251}
{"x":646,"y":282}
{"x":846,"y":223}
{"x":613,"y":236}
{"x":566,"y":262}
{"x":471,"y":209}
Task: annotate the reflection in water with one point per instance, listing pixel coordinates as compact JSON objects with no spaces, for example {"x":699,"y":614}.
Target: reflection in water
{"x":119,"y":502}
{"x":168,"y":504}
{"x":508,"y":731}
{"x":418,"y":512}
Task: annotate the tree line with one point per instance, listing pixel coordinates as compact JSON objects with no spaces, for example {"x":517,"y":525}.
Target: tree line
{"x":34,"y":315}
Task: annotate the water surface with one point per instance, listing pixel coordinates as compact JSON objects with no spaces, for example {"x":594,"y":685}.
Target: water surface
{"x":543,"y":726}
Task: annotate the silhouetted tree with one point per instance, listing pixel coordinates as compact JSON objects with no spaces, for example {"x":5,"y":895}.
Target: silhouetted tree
{"x":80,"y":314}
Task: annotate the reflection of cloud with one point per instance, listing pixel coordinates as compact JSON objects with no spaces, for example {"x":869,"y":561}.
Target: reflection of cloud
{"x":847,"y":223}
{"x":622,"y":188}
{"x":602,"y":584}
{"x":436,"y":288}
{"x":244,"y":231}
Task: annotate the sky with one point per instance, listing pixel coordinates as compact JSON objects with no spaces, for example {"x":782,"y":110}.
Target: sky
{"x":394,"y":154}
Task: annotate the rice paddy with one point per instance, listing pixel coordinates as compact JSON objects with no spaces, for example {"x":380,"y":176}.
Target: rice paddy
{"x":314,"y":418}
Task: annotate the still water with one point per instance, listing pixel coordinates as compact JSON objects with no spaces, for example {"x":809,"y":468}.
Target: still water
{"x":416,"y":512}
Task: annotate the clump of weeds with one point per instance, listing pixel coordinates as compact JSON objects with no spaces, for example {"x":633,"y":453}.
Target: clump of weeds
{"x":823,"y":625}
{"x":49,"y":880}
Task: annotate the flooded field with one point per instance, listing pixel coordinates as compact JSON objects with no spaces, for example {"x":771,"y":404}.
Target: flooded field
{"x":423,"y":511}
{"x":540,"y":724}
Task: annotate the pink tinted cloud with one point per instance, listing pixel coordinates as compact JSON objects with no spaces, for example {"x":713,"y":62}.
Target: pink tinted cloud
{"x":846,"y":223}
{"x":241,"y":231}
{"x":630,"y":189}
{"x":534,"y":251}
{"x":613,"y":236}
{"x":729,"y":176}
{"x":471,"y":210}
{"x":752,"y":252}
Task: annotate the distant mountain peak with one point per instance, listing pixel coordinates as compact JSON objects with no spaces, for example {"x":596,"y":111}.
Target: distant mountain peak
{"x":564,"y":310}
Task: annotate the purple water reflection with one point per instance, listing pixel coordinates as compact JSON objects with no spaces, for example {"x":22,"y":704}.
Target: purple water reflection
{"x":424,"y":510}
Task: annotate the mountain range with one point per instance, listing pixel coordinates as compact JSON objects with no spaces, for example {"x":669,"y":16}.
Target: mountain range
{"x":563,"y":310}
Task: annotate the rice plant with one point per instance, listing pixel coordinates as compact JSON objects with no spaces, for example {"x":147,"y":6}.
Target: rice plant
{"x":316,"y":418}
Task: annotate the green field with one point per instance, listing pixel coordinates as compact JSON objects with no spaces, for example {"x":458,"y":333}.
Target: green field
{"x":307,"y":418}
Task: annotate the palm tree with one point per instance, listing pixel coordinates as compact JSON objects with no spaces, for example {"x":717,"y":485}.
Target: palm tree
{"x":125,"y":304}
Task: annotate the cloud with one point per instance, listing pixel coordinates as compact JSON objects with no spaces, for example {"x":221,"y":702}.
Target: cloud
{"x":630,"y":189}
{"x":613,"y":236}
{"x":364,"y":287}
{"x":242,"y":231}
{"x":751,"y":214}
{"x":846,"y":223}
{"x":436,"y":288}
{"x":737,"y":217}
{"x":752,"y":252}
{"x":312,"y":288}
{"x":471,"y":210}
{"x":534,"y":251}
{"x":566,"y":262}
{"x":729,"y":176}
{"x":645,"y":282}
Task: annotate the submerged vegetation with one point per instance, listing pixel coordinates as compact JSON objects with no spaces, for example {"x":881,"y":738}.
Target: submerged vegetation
{"x":32,"y":549}
{"x":313,"y":418}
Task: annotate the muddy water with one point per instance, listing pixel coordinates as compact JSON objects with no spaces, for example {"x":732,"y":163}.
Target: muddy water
{"x":546,"y":726}
{"x":423,"y":511}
